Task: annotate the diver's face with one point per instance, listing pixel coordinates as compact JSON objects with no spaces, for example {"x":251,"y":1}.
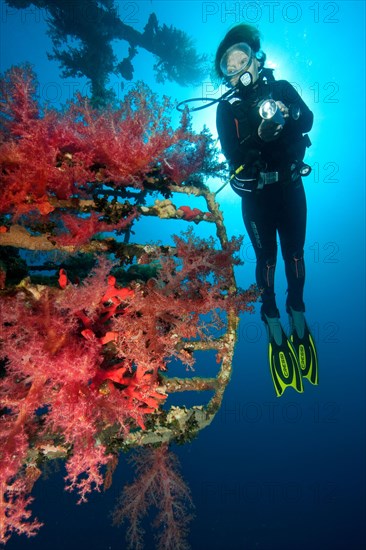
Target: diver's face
{"x":238,"y":59}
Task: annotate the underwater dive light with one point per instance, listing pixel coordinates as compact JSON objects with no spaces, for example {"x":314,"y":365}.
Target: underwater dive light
{"x":269,"y":110}
{"x":304,"y":169}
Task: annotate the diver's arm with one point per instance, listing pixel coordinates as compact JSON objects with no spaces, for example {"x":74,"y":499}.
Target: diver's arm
{"x":304,"y":122}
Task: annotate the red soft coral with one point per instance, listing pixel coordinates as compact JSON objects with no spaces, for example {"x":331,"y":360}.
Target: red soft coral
{"x":81,"y":230}
{"x":160,"y":485}
{"x":83,"y":361}
{"x":51,"y":366}
{"x":67,"y":154}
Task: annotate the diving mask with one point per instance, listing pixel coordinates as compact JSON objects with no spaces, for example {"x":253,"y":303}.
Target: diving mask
{"x":236,"y":59}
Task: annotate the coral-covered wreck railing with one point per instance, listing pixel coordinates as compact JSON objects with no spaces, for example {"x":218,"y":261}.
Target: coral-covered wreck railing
{"x":179,"y":422}
{"x":92,"y":323}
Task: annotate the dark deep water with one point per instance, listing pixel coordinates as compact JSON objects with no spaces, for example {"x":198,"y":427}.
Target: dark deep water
{"x":269,"y":474}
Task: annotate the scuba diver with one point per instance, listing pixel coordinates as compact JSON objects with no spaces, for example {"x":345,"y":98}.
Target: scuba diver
{"x":262,"y":128}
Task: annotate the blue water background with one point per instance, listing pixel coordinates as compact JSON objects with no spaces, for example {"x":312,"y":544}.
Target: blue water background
{"x":269,"y":474}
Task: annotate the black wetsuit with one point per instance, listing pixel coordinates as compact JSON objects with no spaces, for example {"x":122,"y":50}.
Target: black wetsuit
{"x":277,"y":207}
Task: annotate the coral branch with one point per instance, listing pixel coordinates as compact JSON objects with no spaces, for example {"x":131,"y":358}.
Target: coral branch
{"x":160,"y":485}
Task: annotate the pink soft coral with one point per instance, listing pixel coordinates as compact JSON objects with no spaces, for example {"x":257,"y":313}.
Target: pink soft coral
{"x":157,"y":484}
{"x":83,"y":362}
{"x":52,"y":367}
{"x":67,"y":154}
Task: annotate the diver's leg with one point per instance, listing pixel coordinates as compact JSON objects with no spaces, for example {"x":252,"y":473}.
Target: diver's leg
{"x":292,"y":230}
{"x":259,"y":219}
{"x":260,"y":212}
